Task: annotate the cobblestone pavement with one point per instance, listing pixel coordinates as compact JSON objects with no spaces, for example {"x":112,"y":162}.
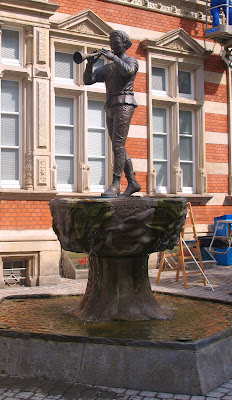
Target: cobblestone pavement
{"x":219,"y":277}
{"x":13,"y":388}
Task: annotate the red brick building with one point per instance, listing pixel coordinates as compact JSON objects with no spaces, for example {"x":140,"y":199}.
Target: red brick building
{"x":53,"y":135}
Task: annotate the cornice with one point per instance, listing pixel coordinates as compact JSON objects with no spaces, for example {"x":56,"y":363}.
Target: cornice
{"x":186,"y":9}
{"x":38,"y":8}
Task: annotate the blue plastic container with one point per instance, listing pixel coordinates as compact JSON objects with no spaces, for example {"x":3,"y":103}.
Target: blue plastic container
{"x":222,"y":230}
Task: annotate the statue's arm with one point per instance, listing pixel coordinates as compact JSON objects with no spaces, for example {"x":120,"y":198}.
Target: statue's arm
{"x":90,"y":77}
{"x":128,"y":67}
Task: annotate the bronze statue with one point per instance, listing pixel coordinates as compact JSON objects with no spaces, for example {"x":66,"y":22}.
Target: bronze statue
{"x":119,"y":76}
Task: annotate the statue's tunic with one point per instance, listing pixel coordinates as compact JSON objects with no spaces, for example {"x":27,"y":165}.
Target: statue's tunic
{"x":120,"y":103}
{"x":119,"y":79}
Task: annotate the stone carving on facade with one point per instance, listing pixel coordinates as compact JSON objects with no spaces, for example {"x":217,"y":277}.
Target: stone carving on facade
{"x":28,"y":170}
{"x":42,"y":172}
{"x":167,"y":8}
{"x":53,"y":177}
{"x":85,"y":28}
{"x":178,"y":179}
{"x":29,"y":44}
{"x":178,"y":45}
{"x":42,"y":114}
{"x":41,"y":55}
{"x":203,"y":180}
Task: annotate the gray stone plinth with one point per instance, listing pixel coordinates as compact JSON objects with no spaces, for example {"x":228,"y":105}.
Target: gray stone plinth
{"x":187,"y":368}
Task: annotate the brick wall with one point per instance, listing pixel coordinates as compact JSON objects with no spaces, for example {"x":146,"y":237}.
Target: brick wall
{"x":25,"y":214}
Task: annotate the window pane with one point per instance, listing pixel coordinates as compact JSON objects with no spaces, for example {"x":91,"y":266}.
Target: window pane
{"x":187,"y":174}
{"x":186,"y":150}
{"x":158,"y":79}
{"x":65,"y":170}
{"x":10,"y":96}
{"x":96,"y":114}
{"x":185,"y":122}
{"x":10,"y":44}
{"x":184,"y":79}
{"x":161,"y":174}
{"x":64,"y":140}
{"x":96,"y":143}
{"x":160,"y":147}
{"x":64,"y":111}
{"x":9,"y":126}
{"x":97,"y":172}
{"x":63,"y":65}
{"x":9,"y":165}
{"x":159,"y":120}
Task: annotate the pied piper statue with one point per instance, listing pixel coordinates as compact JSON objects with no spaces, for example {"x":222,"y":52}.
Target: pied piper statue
{"x":119,"y":76}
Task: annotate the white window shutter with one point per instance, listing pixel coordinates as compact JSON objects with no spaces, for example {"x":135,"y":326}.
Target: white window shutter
{"x":10,"y":44}
{"x":63,"y":65}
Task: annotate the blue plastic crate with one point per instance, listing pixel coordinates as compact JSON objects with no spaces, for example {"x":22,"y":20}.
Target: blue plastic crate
{"x":222,"y":230}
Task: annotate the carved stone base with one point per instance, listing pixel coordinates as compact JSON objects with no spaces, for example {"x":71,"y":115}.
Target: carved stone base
{"x":119,"y":289}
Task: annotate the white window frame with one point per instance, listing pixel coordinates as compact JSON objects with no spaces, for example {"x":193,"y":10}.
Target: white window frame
{"x":184,"y":95}
{"x":163,"y":189}
{"x":15,"y":183}
{"x":69,"y":187}
{"x":9,"y":61}
{"x":190,"y":189}
{"x":99,"y":188}
{"x":64,"y":81}
{"x":161,"y":92}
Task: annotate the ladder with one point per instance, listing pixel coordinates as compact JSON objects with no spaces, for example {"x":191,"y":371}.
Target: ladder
{"x":184,"y":253}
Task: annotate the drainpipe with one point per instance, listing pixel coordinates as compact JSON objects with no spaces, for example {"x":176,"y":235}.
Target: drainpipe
{"x":229,"y":129}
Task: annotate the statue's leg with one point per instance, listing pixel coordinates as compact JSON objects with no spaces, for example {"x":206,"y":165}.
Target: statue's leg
{"x":133,"y":186}
{"x":114,"y":189}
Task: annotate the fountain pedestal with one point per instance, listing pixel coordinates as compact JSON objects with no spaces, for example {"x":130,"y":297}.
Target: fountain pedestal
{"x":118,"y":234}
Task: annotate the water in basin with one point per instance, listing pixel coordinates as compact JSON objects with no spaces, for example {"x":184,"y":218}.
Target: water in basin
{"x":194,"y":319}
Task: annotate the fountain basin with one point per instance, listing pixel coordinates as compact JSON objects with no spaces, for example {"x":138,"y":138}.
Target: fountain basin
{"x":142,"y":362}
{"x":187,"y":368}
{"x":118,"y":234}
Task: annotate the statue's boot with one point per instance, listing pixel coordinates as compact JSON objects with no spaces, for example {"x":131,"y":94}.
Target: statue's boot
{"x":133,"y":185}
{"x":114,"y":189}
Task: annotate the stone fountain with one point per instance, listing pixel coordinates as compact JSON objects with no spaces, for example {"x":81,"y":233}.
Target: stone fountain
{"x":118,"y":234}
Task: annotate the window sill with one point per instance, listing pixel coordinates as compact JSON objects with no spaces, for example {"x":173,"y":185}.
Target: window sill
{"x":21,"y":194}
{"x":194,"y":199}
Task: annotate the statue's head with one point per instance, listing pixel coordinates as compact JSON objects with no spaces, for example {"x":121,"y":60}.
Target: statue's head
{"x":123,"y":35}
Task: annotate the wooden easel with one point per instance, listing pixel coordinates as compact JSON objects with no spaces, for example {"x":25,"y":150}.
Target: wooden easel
{"x":183,"y":254}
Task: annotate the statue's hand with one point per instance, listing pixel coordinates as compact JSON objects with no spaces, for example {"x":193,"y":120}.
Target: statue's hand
{"x":108,"y":54}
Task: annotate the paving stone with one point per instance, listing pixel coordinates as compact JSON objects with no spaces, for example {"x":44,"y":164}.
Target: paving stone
{"x":227,"y":397}
{"x":8,"y":398}
{"x":227,"y":385}
{"x":121,"y":396}
{"x":148,"y":393}
{"x":165,"y":395}
{"x":198,"y":398}
{"x":213,"y":398}
{"x":117,"y":390}
{"x":132,"y":392}
{"x":214,"y":394}
{"x":222,"y":389}
{"x":24,"y":395}
{"x":182,"y":397}
{"x":136,"y":398}
{"x":149,"y":398}
{"x":105,"y":395}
